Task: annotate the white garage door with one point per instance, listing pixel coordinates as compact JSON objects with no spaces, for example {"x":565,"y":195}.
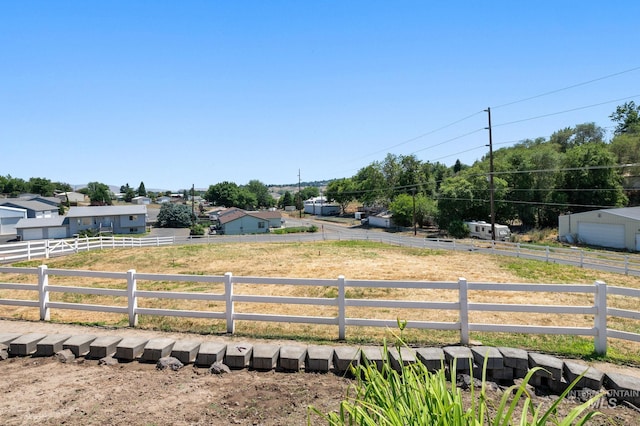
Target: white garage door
{"x":601,"y":234}
{"x":32,"y":234}
{"x":59,"y":232}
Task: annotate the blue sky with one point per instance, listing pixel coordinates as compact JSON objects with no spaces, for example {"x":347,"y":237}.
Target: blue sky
{"x":200,"y":92}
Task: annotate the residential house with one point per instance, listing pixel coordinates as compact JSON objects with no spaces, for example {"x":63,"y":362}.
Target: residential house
{"x":99,"y":219}
{"x":118,"y":219}
{"x":9,"y":217}
{"x":36,"y":209}
{"x":236,"y":221}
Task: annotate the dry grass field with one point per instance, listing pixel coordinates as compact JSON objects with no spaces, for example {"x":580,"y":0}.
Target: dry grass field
{"x":354,"y":260}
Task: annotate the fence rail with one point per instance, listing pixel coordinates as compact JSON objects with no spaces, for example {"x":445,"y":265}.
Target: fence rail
{"x":599,"y":310}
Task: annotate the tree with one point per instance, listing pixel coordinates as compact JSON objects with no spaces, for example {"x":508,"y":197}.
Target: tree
{"x":142,"y":191}
{"x":261,"y":193}
{"x":590,"y":180}
{"x":285,"y":200}
{"x":628,"y":118}
{"x":370,"y":184}
{"x":174,"y":216}
{"x":41,"y":186}
{"x":223,"y":194}
{"x":309,"y":192}
{"x":127,"y":192}
{"x":342,"y":191}
{"x":99,"y":194}
{"x":403,"y":210}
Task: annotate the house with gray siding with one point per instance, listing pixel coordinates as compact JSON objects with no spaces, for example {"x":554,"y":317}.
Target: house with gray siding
{"x":613,"y":228}
{"x":98,"y":219}
{"x":9,"y":217}
{"x":36,"y":209}
{"x":116,"y":219}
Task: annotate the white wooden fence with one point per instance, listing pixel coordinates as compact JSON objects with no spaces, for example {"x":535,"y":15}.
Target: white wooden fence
{"x":463,"y":305}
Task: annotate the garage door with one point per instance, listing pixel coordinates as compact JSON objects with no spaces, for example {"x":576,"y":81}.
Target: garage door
{"x":32,"y":234}
{"x":601,"y":234}
{"x":8,"y":225}
{"x":59,"y":232}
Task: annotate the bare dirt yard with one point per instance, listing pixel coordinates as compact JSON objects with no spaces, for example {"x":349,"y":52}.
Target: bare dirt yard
{"x":48,"y":392}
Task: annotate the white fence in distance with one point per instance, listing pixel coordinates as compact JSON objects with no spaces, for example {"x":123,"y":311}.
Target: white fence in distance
{"x":625,"y":263}
{"x":464,"y":306}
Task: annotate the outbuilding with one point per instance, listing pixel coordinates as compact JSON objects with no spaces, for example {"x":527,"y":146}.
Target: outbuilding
{"x":612,"y":228}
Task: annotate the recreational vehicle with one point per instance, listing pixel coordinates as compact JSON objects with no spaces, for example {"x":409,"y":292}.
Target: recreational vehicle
{"x":482,"y":230}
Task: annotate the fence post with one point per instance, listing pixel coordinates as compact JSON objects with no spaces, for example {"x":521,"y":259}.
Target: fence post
{"x":581,"y":259}
{"x":43,"y":293}
{"x":626,"y":264}
{"x":29,"y":250}
{"x":133,"y":299}
{"x":518,"y":250}
{"x":464,"y":310}
{"x":341,"y":308}
{"x":600,"y":319}
{"x":46,"y":249}
{"x":547,"y":252}
{"x":228,"y":293}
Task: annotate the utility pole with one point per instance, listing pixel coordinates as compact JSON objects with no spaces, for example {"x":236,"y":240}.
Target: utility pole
{"x":299,"y":194}
{"x":413,"y":192}
{"x":193,"y":203}
{"x":491,"y":186}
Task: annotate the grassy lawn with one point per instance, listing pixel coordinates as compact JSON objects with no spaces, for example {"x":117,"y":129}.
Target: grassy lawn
{"x":329,"y":259}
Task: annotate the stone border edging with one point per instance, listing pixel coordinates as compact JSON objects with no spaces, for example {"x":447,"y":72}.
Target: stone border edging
{"x":503,"y":364}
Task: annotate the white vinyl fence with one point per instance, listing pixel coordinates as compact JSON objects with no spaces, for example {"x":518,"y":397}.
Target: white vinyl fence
{"x":599,"y":293}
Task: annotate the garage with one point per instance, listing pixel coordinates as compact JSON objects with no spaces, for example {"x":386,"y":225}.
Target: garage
{"x":32,"y":234}
{"x":58,"y":232}
{"x":602,"y":234}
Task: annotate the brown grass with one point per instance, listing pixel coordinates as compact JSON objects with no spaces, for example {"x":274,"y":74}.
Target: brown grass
{"x":361,"y":260}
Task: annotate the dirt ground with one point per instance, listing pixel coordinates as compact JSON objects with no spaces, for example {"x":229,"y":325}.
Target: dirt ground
{"x":45,"y":391}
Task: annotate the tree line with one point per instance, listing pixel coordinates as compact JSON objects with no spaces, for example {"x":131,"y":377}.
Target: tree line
{"x":575,"y":170}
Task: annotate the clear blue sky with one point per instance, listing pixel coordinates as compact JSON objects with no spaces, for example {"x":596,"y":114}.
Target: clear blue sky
{"x":199,"y":92}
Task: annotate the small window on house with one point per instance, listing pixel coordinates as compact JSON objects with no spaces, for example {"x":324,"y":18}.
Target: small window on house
{"x":133,"y":217}
{"x":132,"y":230}
{"x":261,"y":225}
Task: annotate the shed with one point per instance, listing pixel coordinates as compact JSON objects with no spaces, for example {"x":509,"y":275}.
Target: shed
{"x":381,"y":220}
{"x":9,"y":217}
{"x":141,"y":200}
{"x":612,"y":228}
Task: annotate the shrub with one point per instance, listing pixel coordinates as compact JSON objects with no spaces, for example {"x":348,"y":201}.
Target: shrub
{"x":458,"y":229}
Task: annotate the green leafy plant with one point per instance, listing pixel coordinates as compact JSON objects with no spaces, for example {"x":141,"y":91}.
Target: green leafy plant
{"x":416,"y":396}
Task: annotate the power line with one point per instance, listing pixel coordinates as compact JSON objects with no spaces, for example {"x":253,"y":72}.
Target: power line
{"x":568,"y":87}
{"x":565,"y":111}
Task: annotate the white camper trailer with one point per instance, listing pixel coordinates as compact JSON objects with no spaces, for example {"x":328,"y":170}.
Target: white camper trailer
{"x":482,"y":230}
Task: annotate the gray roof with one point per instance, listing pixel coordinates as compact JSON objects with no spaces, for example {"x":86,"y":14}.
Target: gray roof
{"x":40,"y":223}
{"x":626,"y":212}
{"x":106,"y":211}
{"x":37,"y":206}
